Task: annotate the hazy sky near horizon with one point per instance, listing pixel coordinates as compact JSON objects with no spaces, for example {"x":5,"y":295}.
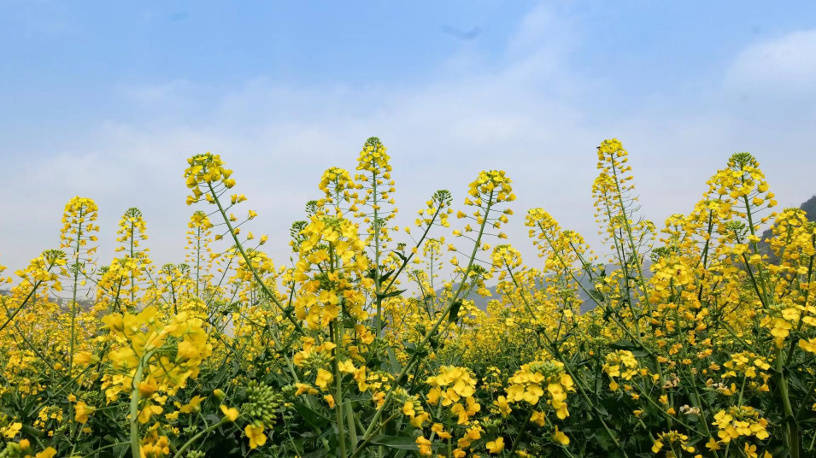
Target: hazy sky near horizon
{"x":108,"y":99}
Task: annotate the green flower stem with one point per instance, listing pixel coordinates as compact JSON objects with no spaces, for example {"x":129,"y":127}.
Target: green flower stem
{"x":255,"y":274}
{"x":376,"y":224}
{"x":134,"y":406}
{"x":578,"y":381}
{"x":74,"y":294}
{"x":338,"y":392}
{"x":631,"y":238}
{"x":428,"y":334}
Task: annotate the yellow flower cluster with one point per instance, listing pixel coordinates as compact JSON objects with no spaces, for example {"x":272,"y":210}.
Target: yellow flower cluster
{"x":450,"y":387}
{"x":155,"y":354}
{"x":621,"y":363}
{"x":528,"y":383}
{"x":670,"y":440}
{"x":493,"y":186}
{"x":374,"y":177}
{"x":337,"y":185}
{"x":330,"y":271}
{"x":734,"y":422}
{"x":374,"y":158}
{"x":78,"y":224}
{"x":204,"y":175}
{"x":132,"y":231}
{"x":506,"y":257}
{"x":746,"y":364}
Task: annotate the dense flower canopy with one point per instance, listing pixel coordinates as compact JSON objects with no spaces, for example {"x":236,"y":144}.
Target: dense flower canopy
{"x":697,"y":339}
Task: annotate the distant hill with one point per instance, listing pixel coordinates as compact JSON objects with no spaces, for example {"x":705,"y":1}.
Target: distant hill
{"x":64,"y":303}
{"x":479,"y":301}
{"x":587,"y":304}
{"x":809,"y":207}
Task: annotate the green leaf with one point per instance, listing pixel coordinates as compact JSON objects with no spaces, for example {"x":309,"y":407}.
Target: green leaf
{"x":396,"y":442}
{"x":311,"y":417}
{"x":393,"y":293}
{"x":384,"y":277}
{"x":454,"y":311}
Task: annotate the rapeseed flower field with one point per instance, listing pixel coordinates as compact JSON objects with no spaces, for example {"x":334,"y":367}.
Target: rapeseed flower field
{"x":697,"y":337}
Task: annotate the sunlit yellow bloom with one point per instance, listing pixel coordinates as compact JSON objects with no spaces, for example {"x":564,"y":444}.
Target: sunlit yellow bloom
{"x":256,"y":435}
{"x":230,"y":413}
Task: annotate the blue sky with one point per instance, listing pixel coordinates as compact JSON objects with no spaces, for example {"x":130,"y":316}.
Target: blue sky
{"x":106,"y":99}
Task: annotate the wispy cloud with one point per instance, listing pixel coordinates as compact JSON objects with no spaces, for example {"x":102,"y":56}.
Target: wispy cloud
{"x":782,"y":66}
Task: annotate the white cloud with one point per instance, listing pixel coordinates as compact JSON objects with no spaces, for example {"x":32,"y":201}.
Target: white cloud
{"x":785,"y":65}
